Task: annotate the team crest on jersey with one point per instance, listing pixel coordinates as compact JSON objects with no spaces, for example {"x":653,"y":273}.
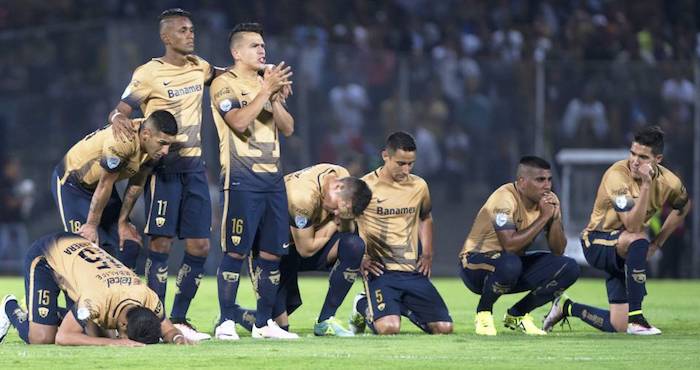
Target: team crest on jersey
{"x":236,"y":240}
{"x":160,"y":221}
{"x":225,"y":105}
{"x":501,"y":219}
{"x":621,"y":202}
{"x":381,"y":306}
{"x":113,"y":162}
{"x":43,"y":312}
{"x":300,"y":221}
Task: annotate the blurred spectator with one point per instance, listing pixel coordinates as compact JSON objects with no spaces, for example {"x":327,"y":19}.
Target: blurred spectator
{"x":585,"y":116}
{"x":17,"y":197}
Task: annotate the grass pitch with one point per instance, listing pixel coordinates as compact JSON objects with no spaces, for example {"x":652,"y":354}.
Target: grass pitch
{"x":671,"y":305}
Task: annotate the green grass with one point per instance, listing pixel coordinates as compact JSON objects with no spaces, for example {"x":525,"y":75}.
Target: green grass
{"x":671,"y":305}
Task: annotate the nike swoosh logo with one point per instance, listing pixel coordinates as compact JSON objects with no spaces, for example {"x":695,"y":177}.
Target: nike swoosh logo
{"x":166,"y":83}
{"x":244,"y":93}
{"x":162,"y":270}
{"x":285,"y":245}
{"x":381,"y":200}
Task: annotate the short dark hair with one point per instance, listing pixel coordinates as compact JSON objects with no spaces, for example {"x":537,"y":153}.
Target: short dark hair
{"x":651,"y":136}
{"x":142,"y":325}
{"x":245,"y":27}
{"x":163,"y":121}
{"x":358,"y":193}
{"x":400,"y":140}
{"x":174,"y":12}
{"x":535,"y":162}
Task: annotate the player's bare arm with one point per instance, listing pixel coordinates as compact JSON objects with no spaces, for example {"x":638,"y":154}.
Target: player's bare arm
{"x":308,"y":242}
{"x":121,"y":124}
{"x":134,"y":189}
{"x":556,"y":238}
{"x":515,"y":241}
{"x":171,"y":334}
{"x":425,"y":233}
{"x":672,"y":222}
{"x":70,"y":333}
{"x":97,"y":205}
{"x":634,"y":218}
{"x":239,"y":119}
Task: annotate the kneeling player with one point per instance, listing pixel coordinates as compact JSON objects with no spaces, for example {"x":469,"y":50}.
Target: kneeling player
{"x":494,"y":259}
{"x":616,"y":241}
{"x":323,"y":203}
{"x":397,"y":273}
{"x":104,"y":294}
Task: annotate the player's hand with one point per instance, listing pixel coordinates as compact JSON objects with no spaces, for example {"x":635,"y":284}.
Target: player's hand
{"x":122,"y":128}
{"x":554,"y":200}
{"x":344,"y":211}
{"x":89,"y":232}
{"x":125,"y":342}
{"x":282,"y":95}
{"x":653,"y":247}
{"x":276,"y":77}
{"x":127,"y":231}
{"x":645,"y":172}
{"x":546,"y":207}
{"x":425,"y":264}
{"x":369,"y":266}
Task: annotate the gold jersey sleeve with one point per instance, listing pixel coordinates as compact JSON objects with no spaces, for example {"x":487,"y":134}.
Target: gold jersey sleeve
{"x":158,"y":85}
{"x":249,"y":160}
{"x":101,"y":151}
{"x":99,"y":284}
{"x":304,"y":198}
{"x":618,"y":192}
{"x":389,"y":226}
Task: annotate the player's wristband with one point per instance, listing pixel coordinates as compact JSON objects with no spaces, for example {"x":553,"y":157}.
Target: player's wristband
{"x":176,"y":336}
{"x":114,"y":115}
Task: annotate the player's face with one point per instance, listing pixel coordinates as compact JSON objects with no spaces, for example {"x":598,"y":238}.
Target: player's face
{"x":179,"y":35}
{"x":639,"y":155}
{"x":250,"y":51}
{"x":157,"y":145}
{"x":400,"y":164}
{"x":333,"y":196}
{"x":535,"y":183}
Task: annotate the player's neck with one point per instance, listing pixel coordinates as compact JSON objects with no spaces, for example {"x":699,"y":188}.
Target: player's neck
{"x":244,"y":71}
{"x":385,"y":176}
{"x":174,"y":58}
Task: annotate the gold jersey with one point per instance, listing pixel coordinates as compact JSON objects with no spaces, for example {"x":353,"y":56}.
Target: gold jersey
{"x":158,"y":85}
{"x":503,"y":210}
{"x":249,"y":161}
{"x":98,"y":283}
{"x":389,"y":226}
{"x":618,"y":192}
{"x":304,"y":195}
{"x":100,"y":150}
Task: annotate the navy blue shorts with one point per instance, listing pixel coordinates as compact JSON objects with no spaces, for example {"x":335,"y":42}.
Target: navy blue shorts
{"x":389,"y":293}
{"x":536,"y":269}
{"x":178,"y":204}
{"x":40,"y":284}
{"x":600,"y":252}
{"x":288,"y":295}
{"x":73,"y":203}
{"x":254,"y":221}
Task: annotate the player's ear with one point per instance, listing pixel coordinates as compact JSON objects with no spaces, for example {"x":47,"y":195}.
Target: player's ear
{"x":659,"y":158}
{"x":385,"y":155}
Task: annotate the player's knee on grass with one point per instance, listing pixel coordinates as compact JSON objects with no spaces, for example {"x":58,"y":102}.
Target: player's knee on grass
{"x":625,"y":240}
{"x":440,"y":327}
{"x":43,"y":334}
{"x":197,"y":247}
{"x":160,"y":244}
{"x":388,"y":325}
{"x":619,"y":316}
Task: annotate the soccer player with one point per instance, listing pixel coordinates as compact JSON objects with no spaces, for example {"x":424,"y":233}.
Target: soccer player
{"x":105,"y":296}
{"x":396,"y":267}
{"x":495,"y":260}
{"x":177,"y":194}
{"x":83,"y":182}
{"x":323,"y":203}
{"x":616,"y":239}
{"x":249,"y":112}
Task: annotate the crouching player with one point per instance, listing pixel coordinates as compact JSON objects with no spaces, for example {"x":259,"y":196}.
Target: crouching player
{"x":616,"y":241}
{"x":494,"y":259}
{"x":105,"y":297}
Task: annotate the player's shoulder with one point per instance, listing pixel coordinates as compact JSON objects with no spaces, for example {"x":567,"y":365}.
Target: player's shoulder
{"x":668,"y":177}
{"x":197,"y":60}
{"x":371,"y":177}
{"x":505,"y":192}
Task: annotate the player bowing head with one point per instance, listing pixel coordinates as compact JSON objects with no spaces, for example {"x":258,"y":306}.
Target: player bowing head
{"x":534,"y":178}
{"x":399,"y":155}
{"x":140,"y":325}
{"x":157,"y":132}
{"x":347,"y":192}
{"x":646,"y":152}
